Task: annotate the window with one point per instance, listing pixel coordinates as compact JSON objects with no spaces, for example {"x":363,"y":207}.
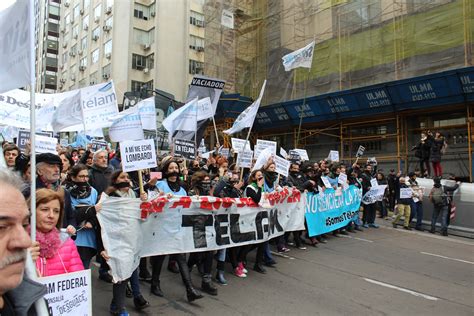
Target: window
{"x":53,"y":10}
{"x":96,"y":33}
{"x":108,"y":47}
{"x":76,"y":12}
{"x":144,"y":37}
{"x":137,"y":85}
{"x":83,"y":83}
{"x":97,"y":12}
{"x":106,"y":71}
{"x":196,"y":19}
{"x":64,"y":59}
{"x":95,"y":56}
{"x":83,"y":61}
{"x":53,"y":29}
{"x":196,"y":67}
{"x":196,"y":43}
{"x":141,"y":62}
{"x":93,"y":79}
{"x":87,"y":3}
{"x":75,"y":31}
{"x":52,"y":46}
{"x":141,"y":12}
{"x":67,"y":20}
{"x":109,"y":22}
{"x":85,"y":22}
{"x":74,"y":49}
{"x":84,"y":43}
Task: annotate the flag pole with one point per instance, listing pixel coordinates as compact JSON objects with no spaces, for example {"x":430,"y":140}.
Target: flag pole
{"x":215,"y":130}
{"x":301,"y":112}
{"x":245,"y":144}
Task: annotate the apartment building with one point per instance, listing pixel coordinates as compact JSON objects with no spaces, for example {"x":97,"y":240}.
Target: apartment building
{"x":136,"y":43}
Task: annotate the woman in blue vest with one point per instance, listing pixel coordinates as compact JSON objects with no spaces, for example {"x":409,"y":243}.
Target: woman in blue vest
{"x":171,"y":186}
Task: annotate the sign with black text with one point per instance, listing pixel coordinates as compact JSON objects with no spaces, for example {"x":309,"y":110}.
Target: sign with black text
{"x":185,"y":148}
{"x":98,"y":144}
{"x":138,"y":154}
{"x":24,"y":137}
{"x":360,"y":151}
{"x":244,"y":159}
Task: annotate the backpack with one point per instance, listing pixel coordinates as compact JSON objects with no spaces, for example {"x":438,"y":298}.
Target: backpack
{"x":438,"y":197}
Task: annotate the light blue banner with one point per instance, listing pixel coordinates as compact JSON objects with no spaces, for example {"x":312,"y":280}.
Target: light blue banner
{"x":327,"y":211}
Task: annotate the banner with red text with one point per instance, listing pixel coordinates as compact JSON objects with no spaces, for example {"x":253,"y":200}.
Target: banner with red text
{"x":132,"y":229}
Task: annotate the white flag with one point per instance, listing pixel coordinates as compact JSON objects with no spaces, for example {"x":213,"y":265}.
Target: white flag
{"x":247,"y":117}
{"x":68,"y":112}
{"x":127,"y":126}
{"x":302,"y":57}
{"x":16,"y":53}
{"x":183,"y":119}
{"x":147,"y":112}
{"x":205,"y":109}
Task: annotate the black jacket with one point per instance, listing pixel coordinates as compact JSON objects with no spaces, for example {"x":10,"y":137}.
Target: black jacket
{"x":298,"y":181}
{"x":403,"y":201}
{"x":99,"y":178}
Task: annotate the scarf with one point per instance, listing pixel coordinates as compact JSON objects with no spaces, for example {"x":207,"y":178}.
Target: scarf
{"x":79,"y":190}
{"x":174,"y":186}
{"x":129,"y":194}
{"x":270,"y":177}
{"x":49,"y":242}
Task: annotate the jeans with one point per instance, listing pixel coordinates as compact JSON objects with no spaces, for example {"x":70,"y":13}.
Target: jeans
{"x":437,"y":210}
{"x":135,"y":284}
{"x":369,"y":214}
{"x":416,"y":209}
{"x":382,"y":208}
{"x":437,"y":169}
{"x":267,"y":255}
{"x":403,"y":210}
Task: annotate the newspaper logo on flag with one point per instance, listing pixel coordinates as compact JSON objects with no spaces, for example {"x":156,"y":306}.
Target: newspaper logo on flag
{"x":302,"y":57}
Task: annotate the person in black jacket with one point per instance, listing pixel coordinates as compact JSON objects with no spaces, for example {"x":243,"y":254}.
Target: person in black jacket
{"x":403,"y":205}
{"x":368,"y":218}
{"x":422,"y":152}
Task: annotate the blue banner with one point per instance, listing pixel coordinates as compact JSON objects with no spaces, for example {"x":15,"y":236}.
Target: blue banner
{"x":328,"y":211}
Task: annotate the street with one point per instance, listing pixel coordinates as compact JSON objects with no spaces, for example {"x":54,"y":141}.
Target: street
{"x":381,"y":271}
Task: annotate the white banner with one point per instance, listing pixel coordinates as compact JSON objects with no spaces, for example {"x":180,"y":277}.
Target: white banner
{"x":263,"y":158}
{"x":302,"y":57}
{"x":238,"y":144}
{"x":147,"y":112}
{"x":99,"y":103}
{"x":204,"y":109}
{"x":283,"y":153}
{"x":263,"y":144}
{"x":244,"y":159}
{"x":227,"y":18}
{"x":128,"y":126}
{"x":69,"y":294}
{"x":374,"y":183}
{"x":16,"y":51}
{"x":69,"y":111}
{"x":375,"y":194}
{"x":183,"y":119}
{"x":302,"y":153}
{"x":44,"y":144}
{"x":138,"y":155}
{"x":132,"y":229}
{"x":247,"y":117}
{"x":281,"y":165}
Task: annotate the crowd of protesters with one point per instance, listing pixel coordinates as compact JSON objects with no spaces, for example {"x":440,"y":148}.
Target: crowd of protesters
{"x":70,"y":184}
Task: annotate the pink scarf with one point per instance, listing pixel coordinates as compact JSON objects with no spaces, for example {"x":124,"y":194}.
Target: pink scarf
{"x":49,"y":242}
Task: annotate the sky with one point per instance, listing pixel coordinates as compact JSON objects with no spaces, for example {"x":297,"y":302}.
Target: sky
{"x":6,"y":3}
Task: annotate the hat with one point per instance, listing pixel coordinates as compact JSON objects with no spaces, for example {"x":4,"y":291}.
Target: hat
{"x":411,"y":174}
{"x":49,"y":158}
{"x":22,"y":162}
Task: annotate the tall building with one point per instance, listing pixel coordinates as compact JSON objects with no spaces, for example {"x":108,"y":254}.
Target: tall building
{"x":47,"y":19}
{"x":136,"y":43}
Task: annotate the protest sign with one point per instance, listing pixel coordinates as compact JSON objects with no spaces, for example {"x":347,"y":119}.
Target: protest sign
{"x":137,"y":155}
{"x":227,"y":18}
{"x":372,"y":161}
{"x":294,"y":156}
{"x":69,"y":293}
{"x":327,"y":212}
{"x":132,"y":229}
{"x":326,"y":182}
{"x":263,"y":158}
{"x":244,"y":159}
{"x":263,"y":144}
{"x":374,"y":183}
{"x":238,"y":144}
{"x":24,"y":137}
{"x":406,"y":193}
{"x":333,"y":155}
{"x":342,"y":179}
{"x":302,"y":153}
{"x":224,"y":151}
{"x":98,"y":144}
{"x":281,"y":165}
{"x":360,"y":151}
{"x":64,"y":142}
{"x":185,"y":148}
{"x":375,"y":194}
{"x":283,"y":153}
{"x":44,"y":144}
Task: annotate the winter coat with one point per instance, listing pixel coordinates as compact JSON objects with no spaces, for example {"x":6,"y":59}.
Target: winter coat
{"x":435,"y":154}
{"x":99,"y":178}
{"x":403,"y":201}
{"x":66,"y":260}
{"x":23,"y":297}
{"x":299,"y":181}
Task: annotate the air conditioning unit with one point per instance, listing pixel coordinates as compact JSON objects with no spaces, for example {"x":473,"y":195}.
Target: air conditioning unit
{"x":62,"y":80}
{"x":66,"y":4}
{"x":61,"y":67}
{"x":106,"y":76}
{"x":81,"y":11}
{"x":192,"y":46}
{"x":63,"y":30}
{"x":64,"y":44}
{"x":73,"y":78}
{"x":97,"y":19}
{"x":146,"y":46}
{"x":85,"y":27}
{"x":108,"y":10}
{"x":95,"y":37}
{"x":108,"y":55}
{"x":152,"y":13}
{"x":75,"y":36}
{"x":82,"y":68}
{"x":80,"y":52}
{"x":200,"y":49}
{"x":146,"y":70}
{"x":199,"y":23}
{"x":73,"y":54}
{"x":107,"y":28}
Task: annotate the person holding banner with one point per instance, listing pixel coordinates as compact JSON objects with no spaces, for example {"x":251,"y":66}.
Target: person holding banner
{"x":369,"y":209}
{"x":201,"y":186}
{"x":171,"y":187}
{"x":58,"y":253}
{"x":121,"y":187}
{"x":83,"y":201}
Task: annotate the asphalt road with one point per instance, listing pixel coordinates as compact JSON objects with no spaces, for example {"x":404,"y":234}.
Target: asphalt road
{"x":381,"y":271}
